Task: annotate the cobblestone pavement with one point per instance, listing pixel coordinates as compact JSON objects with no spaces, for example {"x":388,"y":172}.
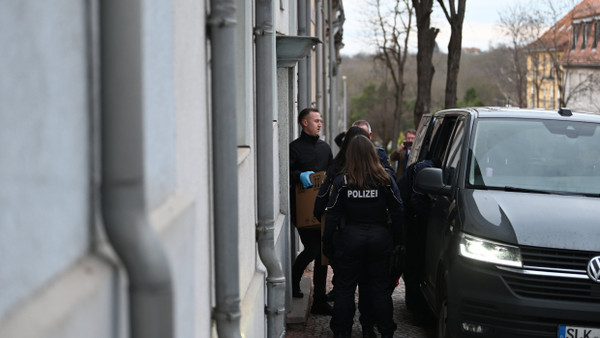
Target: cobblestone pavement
{"x":318,"y":326}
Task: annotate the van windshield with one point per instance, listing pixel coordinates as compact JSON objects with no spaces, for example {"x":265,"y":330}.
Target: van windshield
{"x":536,"y":155}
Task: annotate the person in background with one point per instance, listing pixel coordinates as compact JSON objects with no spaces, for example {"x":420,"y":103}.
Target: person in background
{"x":309,"y":154}
{"x":400,"y":155}
{"x":381,"y":153}
{"x":357,"y":236}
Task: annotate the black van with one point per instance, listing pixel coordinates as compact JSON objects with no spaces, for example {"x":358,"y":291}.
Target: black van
{"x":510,"y":237}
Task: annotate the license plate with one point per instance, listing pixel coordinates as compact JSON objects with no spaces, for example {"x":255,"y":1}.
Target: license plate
{"x":565,"y":331}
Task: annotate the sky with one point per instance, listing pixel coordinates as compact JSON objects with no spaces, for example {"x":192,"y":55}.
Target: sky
{"x":480,"y":27}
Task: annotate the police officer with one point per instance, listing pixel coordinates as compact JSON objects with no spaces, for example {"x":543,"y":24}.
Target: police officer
{"x":309,"y":154}
{"x":363,"y":196}
{"x":333,"y":169}
{"x":321,"y":203}
{"x":381,"y":153}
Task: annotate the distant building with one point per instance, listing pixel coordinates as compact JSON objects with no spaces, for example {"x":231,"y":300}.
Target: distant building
{"x":563,"y":65}
{"x":472,"y":50}
{"x":581,"y":61}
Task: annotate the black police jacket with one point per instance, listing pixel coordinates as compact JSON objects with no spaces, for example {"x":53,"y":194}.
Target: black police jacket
{"x":373,"y":206}
{"x":334,"y":169}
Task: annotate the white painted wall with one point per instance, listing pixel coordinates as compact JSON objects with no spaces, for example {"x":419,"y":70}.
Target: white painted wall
{"x":44,"y":144}
{"x":192,"y":150}
{"x":59,"y":276}
{"x":583,"y":100}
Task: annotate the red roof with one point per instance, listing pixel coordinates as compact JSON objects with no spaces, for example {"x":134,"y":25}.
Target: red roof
{"x":586,"y":13}
{"x":559,"y":37}
{"x":556,"y":37}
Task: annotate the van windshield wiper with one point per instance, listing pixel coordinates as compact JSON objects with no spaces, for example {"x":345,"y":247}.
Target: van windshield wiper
{"x":517,"y":189}
{"x":549,"y":192}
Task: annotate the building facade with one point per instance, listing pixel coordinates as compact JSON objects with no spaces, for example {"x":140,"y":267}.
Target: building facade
{"x":564,"y":63}
{"x":144,"y":151}
{"x":582,"y":59}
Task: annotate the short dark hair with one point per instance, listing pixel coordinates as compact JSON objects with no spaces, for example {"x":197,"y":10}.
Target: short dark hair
{"x":305,"y":112}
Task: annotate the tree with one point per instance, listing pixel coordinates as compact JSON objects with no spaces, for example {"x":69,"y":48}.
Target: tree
{"x":455,"y":18}
{"x":392,"y":36}
{"x":521,"y":28}
{"x":365,"y":102}
{"x":499,"y":74}
{"x":375,"y":104}
{"x":426,"y":44}
{"x":470,"y":99}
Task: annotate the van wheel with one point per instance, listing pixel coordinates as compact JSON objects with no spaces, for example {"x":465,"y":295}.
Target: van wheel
{"x":442,"y":315}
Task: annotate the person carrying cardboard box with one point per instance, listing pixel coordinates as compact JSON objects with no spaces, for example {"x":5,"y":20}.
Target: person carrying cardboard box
{"x":309,"y":154}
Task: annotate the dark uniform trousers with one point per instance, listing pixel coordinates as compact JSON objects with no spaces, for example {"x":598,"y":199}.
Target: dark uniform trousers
{"x":311,"y":239}
{"x":362,"y":251}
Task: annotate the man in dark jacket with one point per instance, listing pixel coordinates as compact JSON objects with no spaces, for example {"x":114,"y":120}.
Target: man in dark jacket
{"x":309,"y":154}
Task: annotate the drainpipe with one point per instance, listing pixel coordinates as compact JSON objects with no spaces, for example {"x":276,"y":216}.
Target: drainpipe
{"x":319,"y":55}
{"x":123,"y":199}
{"x":222,"y":23}
{"x":333,"y":116}
{"x":265,"y":109}
{"x":302,"y":64}
{"x":308,"y":69}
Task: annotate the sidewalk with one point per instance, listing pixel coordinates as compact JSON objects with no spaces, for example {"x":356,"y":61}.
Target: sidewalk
{"x":318,"y":326}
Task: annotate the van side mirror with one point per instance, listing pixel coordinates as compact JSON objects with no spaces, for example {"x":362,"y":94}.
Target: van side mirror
{"x":430,"y":180}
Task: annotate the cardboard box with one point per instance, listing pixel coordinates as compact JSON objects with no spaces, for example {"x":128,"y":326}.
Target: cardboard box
{"x":305,"y":202}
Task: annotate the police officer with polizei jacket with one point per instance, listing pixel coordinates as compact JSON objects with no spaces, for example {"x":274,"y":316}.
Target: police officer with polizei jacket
{"x":381,"y":153}
{"x":359,"y":239}
{"x":321,"y":202}
{"x":309,"y":154}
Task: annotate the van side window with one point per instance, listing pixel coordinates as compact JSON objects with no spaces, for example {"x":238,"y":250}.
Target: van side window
{"x":442,"y":132}
{"x":421,"y":140}
{"x":453,"y":153}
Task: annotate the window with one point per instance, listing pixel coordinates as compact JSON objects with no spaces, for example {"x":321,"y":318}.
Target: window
{"x":575,"y":35}
{"x":546,"y":155}
{"x":421,"y":139}
{"x":532,"y":97}
{"x":543,"y":64}
{"x":544,"y":98}
{"x":453,"y":153}
{"x":596,"y":27}
{"x":442,"y":132}
{"x":586,"y":32}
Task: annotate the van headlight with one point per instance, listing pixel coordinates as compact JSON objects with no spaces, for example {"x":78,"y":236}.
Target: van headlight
{"x":489,"y":251}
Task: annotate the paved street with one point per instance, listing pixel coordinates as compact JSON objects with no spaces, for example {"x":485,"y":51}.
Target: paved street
{"x":318,"y":326}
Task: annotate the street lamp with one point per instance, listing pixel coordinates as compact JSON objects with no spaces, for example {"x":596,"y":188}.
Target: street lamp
{"x":345,"y":101}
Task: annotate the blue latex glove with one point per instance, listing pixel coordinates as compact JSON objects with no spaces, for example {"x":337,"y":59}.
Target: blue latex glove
{"x":305,"y":179}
